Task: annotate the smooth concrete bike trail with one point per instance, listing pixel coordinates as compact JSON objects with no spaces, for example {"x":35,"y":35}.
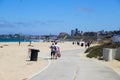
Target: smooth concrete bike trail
{"x":72,"y":67}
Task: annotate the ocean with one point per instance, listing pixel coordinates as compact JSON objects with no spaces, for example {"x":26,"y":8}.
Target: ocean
{"x":14,"y":40}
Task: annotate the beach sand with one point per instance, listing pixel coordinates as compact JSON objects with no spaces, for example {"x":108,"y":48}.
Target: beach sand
{"x":15,"y":64}
{"x":14,"y":60}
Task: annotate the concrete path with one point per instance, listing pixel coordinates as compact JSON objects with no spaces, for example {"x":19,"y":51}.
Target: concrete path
{"x":72,"y":67}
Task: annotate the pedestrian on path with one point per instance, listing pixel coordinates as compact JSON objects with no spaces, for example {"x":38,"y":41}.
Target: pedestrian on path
{"x":52,"y":47}
{"x":57,"y":50}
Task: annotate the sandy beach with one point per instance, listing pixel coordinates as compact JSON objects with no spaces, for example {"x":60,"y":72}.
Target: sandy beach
{"x":15,"y":64}
{"x":14,"y":60}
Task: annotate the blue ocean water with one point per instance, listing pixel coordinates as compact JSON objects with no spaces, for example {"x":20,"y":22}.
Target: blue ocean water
{"x":13,"y":40}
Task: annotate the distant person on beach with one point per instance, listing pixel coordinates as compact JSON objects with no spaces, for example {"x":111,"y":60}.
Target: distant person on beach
{"x":87,"y":44}
{"x":19,"y":43}
{"x":52,"y":47}
{"x":78,"y":43}
{"x":82,"y":44}
{"x":73,"y":42}
{"x":30,"y":42}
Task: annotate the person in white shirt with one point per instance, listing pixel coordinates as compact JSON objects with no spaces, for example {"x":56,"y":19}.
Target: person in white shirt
{"x":57,"y":49}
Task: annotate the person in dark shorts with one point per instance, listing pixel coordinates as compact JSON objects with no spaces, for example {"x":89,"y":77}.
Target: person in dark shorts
{"x":52,"y":47}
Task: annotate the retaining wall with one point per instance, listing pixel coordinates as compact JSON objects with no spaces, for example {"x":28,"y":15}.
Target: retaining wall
{"x":109,"y":54}
{"x":118,"y":54}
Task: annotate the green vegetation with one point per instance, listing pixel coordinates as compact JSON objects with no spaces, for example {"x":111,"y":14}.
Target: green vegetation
{"x":96,"y":51}
{"x":85,"y":38}
{"x":118,"y":59}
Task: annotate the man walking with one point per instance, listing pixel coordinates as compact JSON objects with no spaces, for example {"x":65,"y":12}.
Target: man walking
{"x":52,"y":47}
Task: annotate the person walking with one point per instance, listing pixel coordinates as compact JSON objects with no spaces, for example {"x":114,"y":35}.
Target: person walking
{"x":52,"y":47}
{"x":88,"y":44}
{"x":57,"y":50}
{"x":19,"y":43}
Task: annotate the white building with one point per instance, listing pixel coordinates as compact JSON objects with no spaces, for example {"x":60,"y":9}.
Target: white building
{"x":116,"y":38}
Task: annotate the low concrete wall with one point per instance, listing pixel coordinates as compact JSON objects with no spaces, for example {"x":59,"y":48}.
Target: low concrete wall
{"x":117,"y":56}
{"x":109,"y":54}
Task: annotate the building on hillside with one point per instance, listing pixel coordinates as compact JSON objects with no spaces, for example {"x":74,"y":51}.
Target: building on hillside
{"x":90,"y":34}
{"x":116,"y":38}
{"x":63,"y":34}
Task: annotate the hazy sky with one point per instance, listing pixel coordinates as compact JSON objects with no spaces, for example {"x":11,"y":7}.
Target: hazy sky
{"x":54,"y":16}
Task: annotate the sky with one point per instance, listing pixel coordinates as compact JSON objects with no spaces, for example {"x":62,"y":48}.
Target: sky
{"x":55,"y":16}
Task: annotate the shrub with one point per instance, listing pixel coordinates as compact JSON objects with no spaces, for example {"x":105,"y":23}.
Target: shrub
{"x":95,"y":52}
{"x":118,"y":59}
